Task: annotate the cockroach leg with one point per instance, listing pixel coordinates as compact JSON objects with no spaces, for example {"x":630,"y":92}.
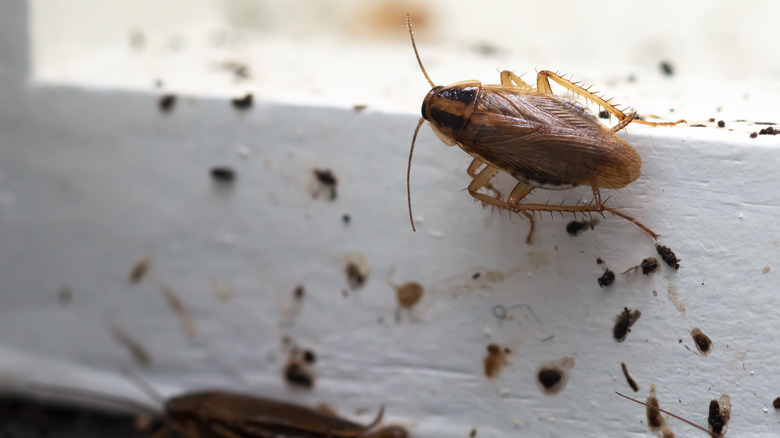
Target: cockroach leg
{"x":507,"y":79}
{"x":472,"y":171}
{"x":632,"y":220}
{"x":482,"y":179}
{"x":543,"y":85}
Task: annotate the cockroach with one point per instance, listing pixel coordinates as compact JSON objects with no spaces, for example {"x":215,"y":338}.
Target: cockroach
{"x":691,"y":423}
{"x":226,"y":414}
{"x":544,"y":141}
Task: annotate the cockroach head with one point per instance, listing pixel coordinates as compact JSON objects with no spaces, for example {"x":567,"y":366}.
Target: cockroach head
{"x":428,"y":98}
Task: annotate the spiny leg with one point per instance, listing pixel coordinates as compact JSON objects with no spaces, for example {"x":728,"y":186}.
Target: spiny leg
{"x":472,"y":171}
{"x":543,"y":86}
{"x":520,"y":191}
{"x":507,"y":79}
{"x":482,"y":179}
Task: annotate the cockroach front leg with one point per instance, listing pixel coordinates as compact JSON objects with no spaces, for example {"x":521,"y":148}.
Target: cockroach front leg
{"x":482,"y":179}
{"x":476,"y":163}
{"x":543,"y":86}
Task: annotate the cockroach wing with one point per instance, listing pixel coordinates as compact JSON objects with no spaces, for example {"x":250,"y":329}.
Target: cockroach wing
{"x":547,"y":141}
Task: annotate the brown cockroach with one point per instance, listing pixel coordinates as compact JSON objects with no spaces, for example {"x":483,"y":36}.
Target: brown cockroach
{"x":226,"y":414}
{"x":544,"y":141}
{"x":690,"y":423}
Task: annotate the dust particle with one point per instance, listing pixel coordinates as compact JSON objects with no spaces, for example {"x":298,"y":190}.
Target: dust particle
{"x":623,"y":322}
{"x":767,"y":269}
{"x":702,"y":341}
{"x":65,"y":295}
{"x":139,"y":270}
{"x":667,"y":68}
{"x":299,"y":292}
{"x":359,"y":107}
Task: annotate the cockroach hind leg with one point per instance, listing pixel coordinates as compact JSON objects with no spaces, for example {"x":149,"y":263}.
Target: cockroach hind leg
{"x":632,"y":220}
{"x":543,"y":85}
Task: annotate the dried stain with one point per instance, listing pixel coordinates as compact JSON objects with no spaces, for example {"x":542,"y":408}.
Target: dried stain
{"x":186,"y":322}
{"x":495,"y":360}
{"x":136,"y":350}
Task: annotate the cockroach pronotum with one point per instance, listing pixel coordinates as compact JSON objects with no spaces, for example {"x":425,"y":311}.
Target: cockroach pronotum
{"x":544,"y":141}
{"x":226,"y":414}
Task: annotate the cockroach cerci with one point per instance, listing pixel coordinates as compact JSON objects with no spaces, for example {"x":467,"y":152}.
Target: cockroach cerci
{"x":544,"y":141}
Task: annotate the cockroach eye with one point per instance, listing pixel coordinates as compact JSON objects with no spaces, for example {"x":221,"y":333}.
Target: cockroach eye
{"x":424,"y":111}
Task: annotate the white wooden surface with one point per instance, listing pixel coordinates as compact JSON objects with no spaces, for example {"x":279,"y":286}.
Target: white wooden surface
{"x":93,"y":178}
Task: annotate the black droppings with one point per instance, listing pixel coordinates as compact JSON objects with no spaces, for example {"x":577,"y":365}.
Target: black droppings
{"x":769,"y":131}
{"x":623,"y":322}
{"x":551,"y":377}
{"x":599,"y":261}
{"x":702,"y":341}
{"x":576,"y":227}
{"x":297,"y":375}
{"x":629,"y":379}
{"x":667,"y":68}
{"x":607,"y":278}
{"x":649,"y":265}
{"x":668,"y":256}
{"x":309,"y":356}
{"x":721,"y":124}
{"x":346,"y":219}
{"x":715,"y":420}
{"x":223,"y":174}
{"x":243,"y":103}
{"x":776,"y":403}
{"x":167,"y":102}
{"x":327,"y":179}
{"x":753,"y":134}
{"x":603,"y":114}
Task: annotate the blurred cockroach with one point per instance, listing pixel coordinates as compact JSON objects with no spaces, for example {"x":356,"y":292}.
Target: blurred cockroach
{"x":225,"y":414}
{"x":544,"y":141}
